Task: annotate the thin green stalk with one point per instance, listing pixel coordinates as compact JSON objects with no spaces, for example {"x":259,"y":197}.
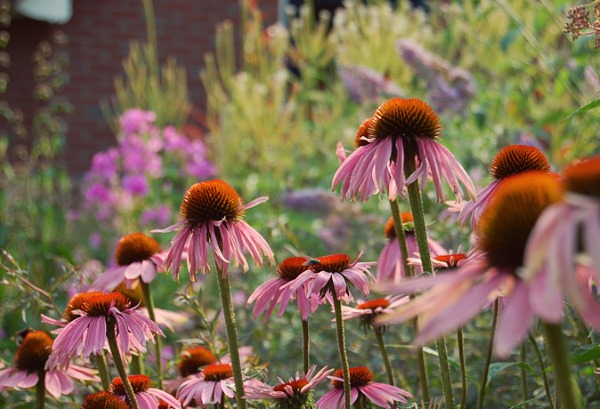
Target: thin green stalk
{"x":540,"y":358}
{"x":568,"y":391}
{"x":341,"y":337}
{"x":149,"y":301}
{"x":416,"y":206}
{"x":40,"y":390}
{"x":152,"y":38}
{"x":463,"y":367}
{"x":305,"y":345}
{"x":384,"y":355}
{"x":488,"y":357}
{"x":137,"y":364}
{"x":118,"y":361}
{"x":232,"y":339}
{"x":523,"y":360}
{"x":103,"y":370}
{"x":401,"y":238}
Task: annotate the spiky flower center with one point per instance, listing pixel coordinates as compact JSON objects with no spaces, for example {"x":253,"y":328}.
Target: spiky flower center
{"x":406,"y":118}
{"x":134,"y":293}
{"x":584,"y":177}
{"x":134,"y":248}
{"x":217,"y":372}
{"x":451,"y":260}
{"x":359,"y":376}
{"x":195,"y":358}
{"x":511,"y":215}
{"x":513,"y":159}
{"x":407,"y":224}
{"x":374,"y":304}
{"x":334,"y":263}
{"x":139,"y":383}
{"x":362,"y":133}
{"x":296,"y":386}
{"x":103,"y":400}
{"x":290,"y":268}
{"x":212,"y":200}
{"x":96,"y":304}
{"x":33,"y":352}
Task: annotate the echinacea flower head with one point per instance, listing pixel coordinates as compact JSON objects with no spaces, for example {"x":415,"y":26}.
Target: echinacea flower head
{"x":275,"y":291}
{"x":138,"y":257}
{"x":510,"y":160}
{"x":194,"y":359}
{"x":29,"y":367}
{"x":214,"y":382}
{"x":401,"y":130}
{"x":366,"y":311}
{"x":91,"y":318}
{"x":147,"y":396}
{"x":334,"y":275}
{"x":362,"y":388}
{"x":296,"y":393}
{"x":212,"y":218}
{"x":103,"y":400}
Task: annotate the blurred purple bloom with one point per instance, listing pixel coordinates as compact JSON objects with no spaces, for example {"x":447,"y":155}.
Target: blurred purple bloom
{"x":157,"y":216}
{"x":136,"y":121}
{"x":104,"y":164}
{"x":136,"y":185}
{"x":98,"y":193}
{"x":367,"y":85}
{"x":197,"y":165}
{"x":173,"y":140}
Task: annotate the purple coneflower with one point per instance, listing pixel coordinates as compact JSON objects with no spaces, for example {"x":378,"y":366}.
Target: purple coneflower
{"x":192,"y":361}
{"x":494,"y":269}
{"x":147,"y":396}
{"x":94,"y":316}
{"x":103,"y":400}
{"x":400,"y":132}
{"x":368,"y":310}
{"x":362,"y":388}
{"x":212,"y":213}
{"x":214,"y":382}
{"x":29,"y":369}
{"x":295,"y":393}
{"x":137,"y":256}
{"x":274,"y":291}
{"x":511,"y":159}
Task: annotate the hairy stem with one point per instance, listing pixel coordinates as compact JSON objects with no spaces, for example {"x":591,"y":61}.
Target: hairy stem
{"x":40,"y":390}
{"x":103,"y":370}
{"x":149,"y":301}
{"x":540,"y":358}
{"x":305,"y":345}
{"x":463,"y":367}
{"x":523,"y":360}
{"x":341,"y":337}
{"x":488,"y":357}
{"x":118,"y":361}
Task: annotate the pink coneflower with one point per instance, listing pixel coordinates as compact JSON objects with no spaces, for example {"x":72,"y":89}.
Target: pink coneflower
{"x":103,"y":400}
{"x":295,"y":393}
{"x":192,"y":361}
{"x":147,"y":396}
{"x":212,"y":213}
{"x":389,"y":266}
{"x":368,"y":310}
{"x":563,"y":252}
{"x":274,"y":291}
{"x":511,"y":159}
{"x":494,"y":269}
{"x":214,"y":382}
{"x":91,"y":316}
{"x":137,"y":256}
{"x":401,"y":130}
{"x":337,"y":271}
{"x":362,"y":388}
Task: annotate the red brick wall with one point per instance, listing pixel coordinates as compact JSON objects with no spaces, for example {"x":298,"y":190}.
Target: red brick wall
{"x":99,"y":34}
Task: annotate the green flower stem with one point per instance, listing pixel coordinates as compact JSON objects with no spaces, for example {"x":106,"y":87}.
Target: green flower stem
{"x":341,"y":337}
{"x":149,"y":301}
{"x":137,"y":364}
{"x":522,"y":361}
{"x":568,"y":390}
{"x":416,"y":206}
{"x":488,"y":357}
{"x":305,"y":345}
{"x":116,"y":354}
{"x":384,"y":354}
{"x":232,"y":338}
{"x":401,"y":238}
{"x":540,"y":359}
{"x":40,"y":390}
{"x":103,"y":370}
{"x":463,"y":367}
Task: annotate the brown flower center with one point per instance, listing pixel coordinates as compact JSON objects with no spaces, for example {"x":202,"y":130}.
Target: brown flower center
{"x":139,"y":383}
{"x":513,"y":159}
{"x":374,"y":304}
{"x":217,"y":372}
{"x":335,"y":263}
{"x":296,"y":385}
{"x":362,"y":132}
{"x":134,"y":294}
{"x":451,"y":260}
{"x":406,"y":118}
{"x":33,"y":352}
{"x":359,"y":376}
{"x":135,"y":247}
{"x":103,"y":400}
{"x":211,"y":200}
{"x":195,"y":358}
{"x":511,"y":215}
{"x":584,"y":177}
{"x":290,"y":268}
{"x":407,"y":224}
{"x":95,"y":304}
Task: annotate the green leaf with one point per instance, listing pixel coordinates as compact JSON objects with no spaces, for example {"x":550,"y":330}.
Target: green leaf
{"x":595,"y":103}
{"x":590,"y":353}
